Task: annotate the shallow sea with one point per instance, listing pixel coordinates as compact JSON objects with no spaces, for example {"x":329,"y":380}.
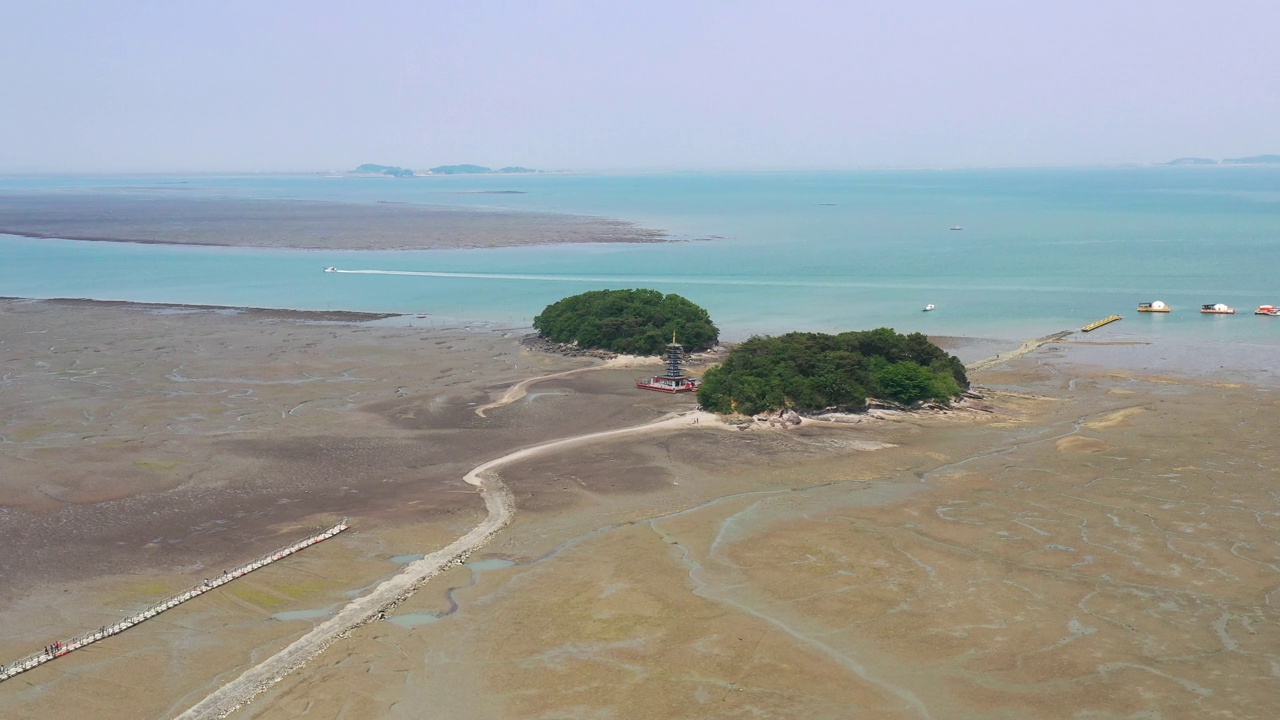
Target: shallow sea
{"x":1041,"y":250}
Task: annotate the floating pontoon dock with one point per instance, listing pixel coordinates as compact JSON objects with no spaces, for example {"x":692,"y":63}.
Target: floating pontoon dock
{"x":1099,"y":323}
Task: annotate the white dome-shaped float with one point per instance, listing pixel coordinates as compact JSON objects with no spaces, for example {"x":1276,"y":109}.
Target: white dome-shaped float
{"x":1218,"y":309}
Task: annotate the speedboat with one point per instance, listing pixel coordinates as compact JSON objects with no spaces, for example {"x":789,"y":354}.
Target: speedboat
{"x":331,"y":269}
{"x":928,"y":307}
{"x":956,"y":227}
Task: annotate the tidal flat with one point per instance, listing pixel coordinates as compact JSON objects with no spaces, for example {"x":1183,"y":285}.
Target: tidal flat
{"x":1086,"y":541}
{"x":156,"y":216}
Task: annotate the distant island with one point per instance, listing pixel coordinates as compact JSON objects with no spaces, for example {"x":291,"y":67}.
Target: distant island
{"x":1249,"y":160}
{"x":1253,"y":160}
{"x":396,"y":171}
{"x":391,"y":170}
{"x":478,"y":170}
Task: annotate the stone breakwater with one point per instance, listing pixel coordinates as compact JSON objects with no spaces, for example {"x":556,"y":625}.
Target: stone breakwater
{"x":59,"y":647}
{"x":1027,"y":346}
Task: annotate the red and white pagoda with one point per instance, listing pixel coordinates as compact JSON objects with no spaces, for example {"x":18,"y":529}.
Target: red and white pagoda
{"x":674,"y":381}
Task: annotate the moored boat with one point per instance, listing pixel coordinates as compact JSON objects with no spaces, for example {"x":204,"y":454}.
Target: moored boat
{"x":928,"y":307}
{"x":1156,"y":306}
{"x":1217,"y":309}
{"x":1271,"y":310}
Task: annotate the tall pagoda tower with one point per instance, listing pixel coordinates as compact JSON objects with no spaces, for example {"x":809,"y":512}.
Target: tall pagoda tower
{"x":674,"y":381}
{"x":675,"y":356}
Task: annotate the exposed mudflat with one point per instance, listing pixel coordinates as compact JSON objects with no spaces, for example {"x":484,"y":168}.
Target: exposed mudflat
{"x":1095,"y":543}
{"x":169,"y":216}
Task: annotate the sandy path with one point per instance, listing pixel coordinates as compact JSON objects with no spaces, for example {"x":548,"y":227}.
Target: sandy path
{"x":1027,"y":346}
{"x":520,"y":389}
{"x":501,"y":508}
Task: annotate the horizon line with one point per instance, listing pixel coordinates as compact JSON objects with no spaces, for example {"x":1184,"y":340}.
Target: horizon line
{"x":652,"y":170}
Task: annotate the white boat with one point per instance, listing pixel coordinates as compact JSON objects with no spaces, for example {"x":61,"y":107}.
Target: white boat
{"x":956,"y":227}
{"x":928,"y":307}
{"x":331,"y":269}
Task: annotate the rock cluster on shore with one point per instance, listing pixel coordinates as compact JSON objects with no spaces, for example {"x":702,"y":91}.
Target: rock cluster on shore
{"x":534,"y":341}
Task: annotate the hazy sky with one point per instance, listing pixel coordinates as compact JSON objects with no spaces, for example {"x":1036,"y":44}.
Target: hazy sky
{"x":282,"y":85}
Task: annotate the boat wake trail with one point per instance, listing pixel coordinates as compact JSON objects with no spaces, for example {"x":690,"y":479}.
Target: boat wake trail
{"x":496,"y":276}
{"x":730,"y":280}
{"x":626,"y":279}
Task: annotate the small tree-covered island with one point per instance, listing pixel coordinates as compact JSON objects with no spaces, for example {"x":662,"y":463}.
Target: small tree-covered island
{"x":802,"y":371}
{"x":817,"y":371}
{"x":635,"y":322}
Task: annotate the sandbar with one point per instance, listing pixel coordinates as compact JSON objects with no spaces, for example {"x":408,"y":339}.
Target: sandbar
{"x":152,"y":217}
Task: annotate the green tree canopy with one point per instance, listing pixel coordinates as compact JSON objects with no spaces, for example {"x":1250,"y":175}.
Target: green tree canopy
{"x":638,"y":322}
{"x":815,"y":371}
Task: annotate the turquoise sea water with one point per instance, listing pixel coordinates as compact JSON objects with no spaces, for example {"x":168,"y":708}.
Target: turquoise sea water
{"x":1040,"y":250}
